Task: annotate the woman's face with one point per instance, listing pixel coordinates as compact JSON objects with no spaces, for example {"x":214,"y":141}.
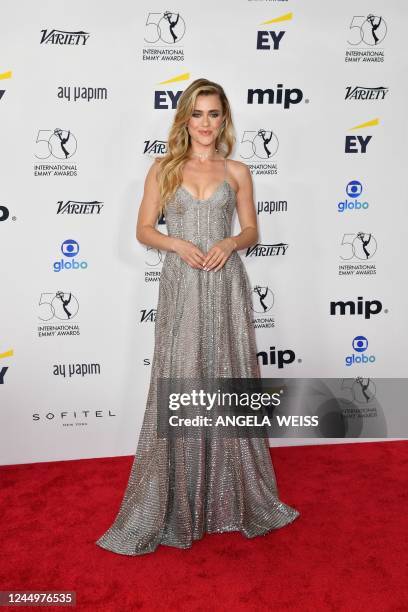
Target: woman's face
{"x":206,"y":119}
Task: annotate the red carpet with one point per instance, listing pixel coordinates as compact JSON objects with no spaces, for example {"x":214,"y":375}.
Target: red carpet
{"x":348,"y":551}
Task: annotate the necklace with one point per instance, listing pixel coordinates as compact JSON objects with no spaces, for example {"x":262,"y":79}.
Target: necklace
{"x":203,"y":155}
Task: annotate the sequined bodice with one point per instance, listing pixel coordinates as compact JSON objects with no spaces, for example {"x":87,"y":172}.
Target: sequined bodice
{"x":201,"y":221}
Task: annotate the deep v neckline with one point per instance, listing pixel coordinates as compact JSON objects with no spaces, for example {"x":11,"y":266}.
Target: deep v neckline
{"x":205,"y":199}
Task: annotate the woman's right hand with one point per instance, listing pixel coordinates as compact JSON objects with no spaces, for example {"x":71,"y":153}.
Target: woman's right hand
{"x":189,"y":252}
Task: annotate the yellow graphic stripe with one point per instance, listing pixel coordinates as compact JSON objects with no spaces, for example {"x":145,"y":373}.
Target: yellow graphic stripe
{"x":6,"y":75}
{"x":9,"y":353}
{"x":286,"y":17}
{"x":181,"y":77}
{"x":366,"y":124}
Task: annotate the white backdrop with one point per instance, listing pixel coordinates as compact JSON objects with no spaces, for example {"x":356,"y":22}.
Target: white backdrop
{"x":88,"y":93}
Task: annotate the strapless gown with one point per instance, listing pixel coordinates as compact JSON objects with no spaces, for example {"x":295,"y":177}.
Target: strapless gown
{"x":179,"y":489}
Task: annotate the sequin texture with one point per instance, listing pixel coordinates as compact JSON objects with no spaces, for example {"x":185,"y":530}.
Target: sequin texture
{"x":178,"y":489}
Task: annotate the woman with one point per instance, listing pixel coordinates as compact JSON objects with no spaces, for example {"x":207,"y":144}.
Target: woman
{"x":180,"y":488}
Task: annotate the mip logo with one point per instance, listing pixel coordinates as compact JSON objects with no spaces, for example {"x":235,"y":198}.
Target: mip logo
{"x":286,"y":97}
{"x":358,"y":144}
{"x":354,"y":189}
{"x":4,"y":213}
{"x":167,"y":98}
{"x":360,"y":345}
{"x":366,"y":308}
{"x":269,"y":39}
{"x":69,"y":248}
{"x":4,"y":369}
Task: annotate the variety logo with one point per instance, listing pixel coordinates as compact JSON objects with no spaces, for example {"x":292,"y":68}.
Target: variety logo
{"x":267,"y":39}
{"x":3,"y":77}
{"x":69,"y":248}
{"x":366,"y":308}
{"x":63,"y":37}
{"x":3,"y":369}
{"x":75,"y":207}
{"x":366,"y":93}
{"x":165,"y":99}
{"x":267,"y":250}
{"x":155,"y":147}
{"x":286,"y":97}
{"x":360,"y":345}
{"x":148,"y":316}
{"x":354,"y":189}
{"x":358,"y":144}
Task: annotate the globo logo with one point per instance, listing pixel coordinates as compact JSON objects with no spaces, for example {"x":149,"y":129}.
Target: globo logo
{"x":69,"y":248}
{"x":353,"y":189}
{"x":360,"y":345}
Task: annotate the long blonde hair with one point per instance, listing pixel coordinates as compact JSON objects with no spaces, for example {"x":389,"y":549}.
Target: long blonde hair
{"x":170,"y":174}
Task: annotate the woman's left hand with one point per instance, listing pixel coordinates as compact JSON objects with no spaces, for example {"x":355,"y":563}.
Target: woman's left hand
{"x":218,"y":254}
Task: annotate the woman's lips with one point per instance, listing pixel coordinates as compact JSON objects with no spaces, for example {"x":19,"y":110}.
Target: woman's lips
{"x":205,"y":132}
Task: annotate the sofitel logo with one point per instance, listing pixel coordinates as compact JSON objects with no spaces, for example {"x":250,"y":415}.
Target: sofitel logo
{"x":264,"y":37}
{"x":267,"y":250}
{"x":63,"y":37}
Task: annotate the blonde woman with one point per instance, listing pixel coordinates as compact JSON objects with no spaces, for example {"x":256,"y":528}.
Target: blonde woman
{"x":179,"y":489}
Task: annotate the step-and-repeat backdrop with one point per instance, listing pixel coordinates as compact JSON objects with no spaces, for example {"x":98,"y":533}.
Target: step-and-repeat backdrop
{"x":88,"y":91}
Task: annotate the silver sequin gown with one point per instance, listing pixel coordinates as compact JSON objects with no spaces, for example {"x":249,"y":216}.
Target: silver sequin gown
{"x":179,"y":489}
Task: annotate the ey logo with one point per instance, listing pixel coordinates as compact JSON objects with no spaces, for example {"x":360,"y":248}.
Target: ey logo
{"x":167,"y":98}
{"x":270,"y":39}
{"x":358,"y":144}
{"x":4,"y":369}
